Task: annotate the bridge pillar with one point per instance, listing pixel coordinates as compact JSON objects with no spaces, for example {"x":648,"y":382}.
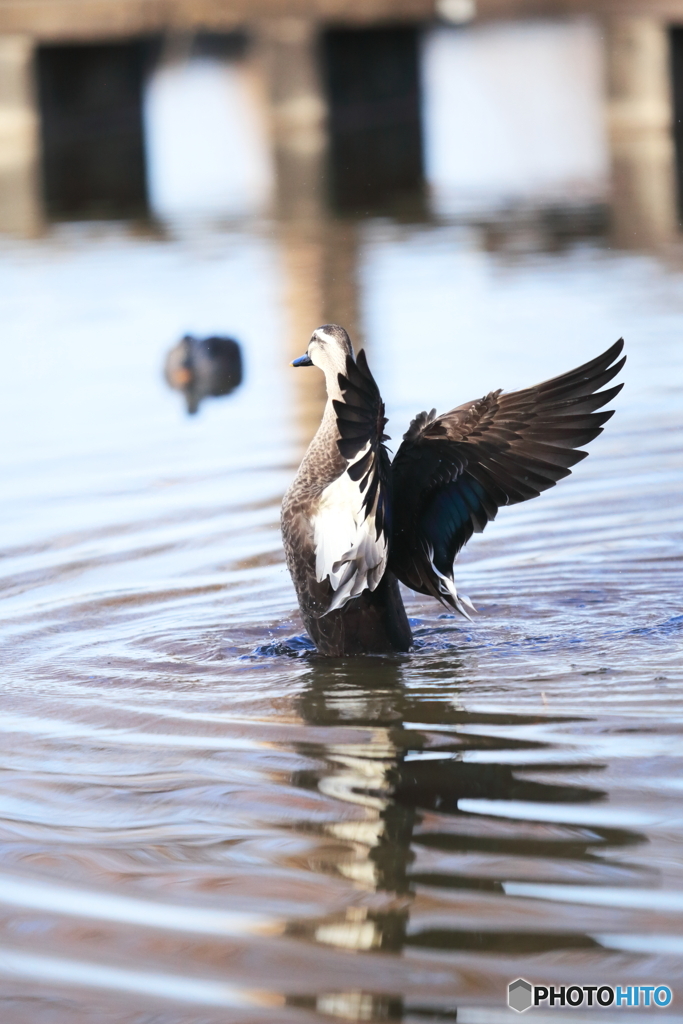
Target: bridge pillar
{"x":20,"y":204}
{"x":290,"y":59}
{"x":298,"y":114}
{"x":640,"y":124}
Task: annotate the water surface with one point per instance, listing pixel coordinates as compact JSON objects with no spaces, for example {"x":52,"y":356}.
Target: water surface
{"x":200,"y":821}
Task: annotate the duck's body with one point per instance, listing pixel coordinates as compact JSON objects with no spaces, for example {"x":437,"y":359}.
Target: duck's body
{"x":353,"y":523}
{"x":373,"y":622}
{"x":200,"y":367}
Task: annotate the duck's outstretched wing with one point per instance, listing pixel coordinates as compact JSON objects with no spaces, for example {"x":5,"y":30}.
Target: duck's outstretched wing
{"x":453,"y":472}
{"x":351,"y":525}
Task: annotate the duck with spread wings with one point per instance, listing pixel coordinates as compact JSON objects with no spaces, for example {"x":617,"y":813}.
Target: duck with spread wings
{"x":354,"y":523}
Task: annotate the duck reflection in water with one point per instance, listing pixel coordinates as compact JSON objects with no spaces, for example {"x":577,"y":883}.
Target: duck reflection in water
{"x":405,"y":762}
{"x":204,"y":367}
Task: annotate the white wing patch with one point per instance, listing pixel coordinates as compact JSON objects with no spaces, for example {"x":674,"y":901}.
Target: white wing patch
{"x":347,"y":549}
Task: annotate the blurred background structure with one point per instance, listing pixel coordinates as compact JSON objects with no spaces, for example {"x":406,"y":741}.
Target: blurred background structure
{"x":223,"y":108}
{"x":562,"y":116}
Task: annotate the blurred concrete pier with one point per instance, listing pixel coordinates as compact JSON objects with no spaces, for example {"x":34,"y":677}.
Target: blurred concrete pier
{"x":20,"y":200}
{"x":297,"y":114}
{"x":641,"y":121}
{"x":319,"y":128}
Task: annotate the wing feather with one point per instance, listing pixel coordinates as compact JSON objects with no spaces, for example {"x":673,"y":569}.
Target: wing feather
{"x":453,"y":472}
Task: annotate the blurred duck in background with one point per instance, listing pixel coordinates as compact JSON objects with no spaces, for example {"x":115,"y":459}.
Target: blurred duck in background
{"x":203,"y":367}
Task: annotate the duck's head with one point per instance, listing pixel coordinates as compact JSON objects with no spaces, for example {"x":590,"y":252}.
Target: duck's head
{"x":328,"y":348}
{"x":179,"y":369}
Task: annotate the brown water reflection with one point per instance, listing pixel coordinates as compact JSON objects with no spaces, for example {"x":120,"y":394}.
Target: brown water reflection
{"x":320,"y":279}
{"x":200,"y":821}
{"x":404,"y":771}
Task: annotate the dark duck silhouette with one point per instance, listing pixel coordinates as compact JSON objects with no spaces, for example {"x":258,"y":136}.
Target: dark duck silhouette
{"x":354,"y":523}
{"x":200,"y":367}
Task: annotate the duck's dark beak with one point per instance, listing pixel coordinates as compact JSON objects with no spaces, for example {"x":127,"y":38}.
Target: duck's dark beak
{"x":303,"y":361}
